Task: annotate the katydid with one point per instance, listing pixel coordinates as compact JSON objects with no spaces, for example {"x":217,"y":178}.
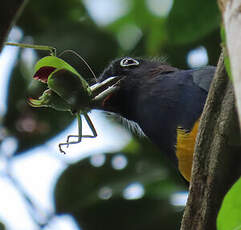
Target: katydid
{"x":67,"y":90}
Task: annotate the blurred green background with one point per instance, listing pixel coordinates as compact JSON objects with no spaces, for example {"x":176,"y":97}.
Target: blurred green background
{"x":133,"y":187}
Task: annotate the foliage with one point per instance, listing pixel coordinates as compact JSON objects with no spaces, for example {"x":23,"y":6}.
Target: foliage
{"x":229,"y":216}
{"x":192,"y":18}
{"x":2,"y":226}
{"x":139,"y":32}
{"x":103,"y":204}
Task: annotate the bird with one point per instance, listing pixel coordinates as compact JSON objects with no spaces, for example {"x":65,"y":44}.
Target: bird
{"x":166,"y":102}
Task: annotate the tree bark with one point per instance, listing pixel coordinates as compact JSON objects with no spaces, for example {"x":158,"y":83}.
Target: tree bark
{"x":231,"y":12}
{"x":217,"y":157}
{"x":9,"y":12}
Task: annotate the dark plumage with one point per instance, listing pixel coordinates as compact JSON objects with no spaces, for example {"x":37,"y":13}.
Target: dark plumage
{"x":160,"y":98}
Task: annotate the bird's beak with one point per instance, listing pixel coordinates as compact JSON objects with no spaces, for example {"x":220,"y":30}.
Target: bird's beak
{"x":103,"y":89}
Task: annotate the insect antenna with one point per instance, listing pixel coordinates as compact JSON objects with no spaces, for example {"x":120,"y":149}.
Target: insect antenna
{"x":82,"y":59}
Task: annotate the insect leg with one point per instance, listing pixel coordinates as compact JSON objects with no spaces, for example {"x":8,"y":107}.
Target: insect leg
{"x":51,"y":49}
{"x":90,"y":124}
{"x":80,"y":136}
{"x":79,"y":131}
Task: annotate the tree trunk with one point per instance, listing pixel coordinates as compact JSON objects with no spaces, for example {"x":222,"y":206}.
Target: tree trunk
{"x":217,"y":157}
{"x":231,"y":13}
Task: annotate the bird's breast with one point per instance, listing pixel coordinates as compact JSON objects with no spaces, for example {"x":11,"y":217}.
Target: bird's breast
{"x":185,"y":149}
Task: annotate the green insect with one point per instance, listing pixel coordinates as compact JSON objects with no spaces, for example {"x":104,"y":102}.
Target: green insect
{"x":67,"y":90}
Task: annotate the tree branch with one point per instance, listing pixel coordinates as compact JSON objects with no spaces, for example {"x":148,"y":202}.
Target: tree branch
{"x":231,"y":12}
{"x":217,"y":158}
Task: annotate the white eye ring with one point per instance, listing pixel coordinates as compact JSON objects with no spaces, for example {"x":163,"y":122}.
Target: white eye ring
{"x":128,"y":62}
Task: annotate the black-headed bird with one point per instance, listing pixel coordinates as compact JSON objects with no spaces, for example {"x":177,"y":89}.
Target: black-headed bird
{"x":166,"y":102}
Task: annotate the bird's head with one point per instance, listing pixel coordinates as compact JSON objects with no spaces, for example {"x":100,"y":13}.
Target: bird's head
{"x":133,"y":74}
{"x":129,"y":71}
{"x":128,"y":68}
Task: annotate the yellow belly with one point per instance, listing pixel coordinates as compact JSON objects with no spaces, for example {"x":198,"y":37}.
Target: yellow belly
{"x":184,"y":150}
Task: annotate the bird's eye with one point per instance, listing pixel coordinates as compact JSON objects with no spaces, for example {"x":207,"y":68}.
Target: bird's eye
{"x":128,"y":62}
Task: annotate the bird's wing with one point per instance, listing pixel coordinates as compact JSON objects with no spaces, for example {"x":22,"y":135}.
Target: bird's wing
{"x":203,"y":77}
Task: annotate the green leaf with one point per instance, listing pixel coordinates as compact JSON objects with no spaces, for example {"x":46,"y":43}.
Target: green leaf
{"x":229,"y":217}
